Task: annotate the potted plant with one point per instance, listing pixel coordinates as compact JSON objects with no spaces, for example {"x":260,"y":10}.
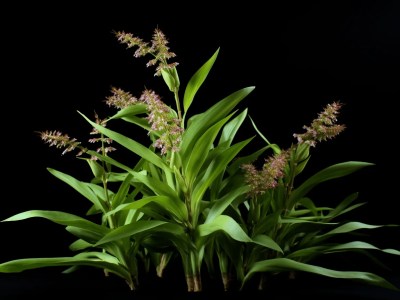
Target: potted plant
{"x":194,"y":195}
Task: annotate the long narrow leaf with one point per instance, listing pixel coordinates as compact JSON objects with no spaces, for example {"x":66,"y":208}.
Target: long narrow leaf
{"x":268,"y":242}
{"x":81,"y":187}
{"x":231,"y":128}
{"x":204,"y":121}
{"x":273,"y":146}
{"x":199,"y":152}
{"x":157,"y":186}
{"x":132,"y":110}
{"x":221,"y":204}
{"x":285,"y":264}
{"x":19,"y":265}
{"x":130,"y":230}
{"x":226,"y":224}
{"x":131,"y":145}
{"x":217,"y":166}
{"x":349,"y":227}
{"x":361,"y":245}
{"x":61,"y":218}
{"x":171,"y":205}
{"x":331,"y":172}
{"x":196,"y":81}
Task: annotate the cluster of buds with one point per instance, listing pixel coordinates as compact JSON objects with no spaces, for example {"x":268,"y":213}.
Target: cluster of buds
{"x":158,"y":49}
{"x":60,"y":140}
{"x":322,"y":128}
{"x":120,"y":99}
{"x":162,"y":120}
{"x":161,"y":117}
{"x":268,"y":177}
{"x":101,"y":139}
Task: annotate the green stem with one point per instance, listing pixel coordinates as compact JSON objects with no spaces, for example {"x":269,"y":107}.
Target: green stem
{"x":178,"y":106}
{"x":168,"y":175}
{"x":289,"y":187}
{"x":223,"y":266}
{"x":195,"y":272}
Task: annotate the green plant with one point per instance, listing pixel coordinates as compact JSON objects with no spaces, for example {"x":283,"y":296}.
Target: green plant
{"x":280,"y":210}
{"x":189,"y":193}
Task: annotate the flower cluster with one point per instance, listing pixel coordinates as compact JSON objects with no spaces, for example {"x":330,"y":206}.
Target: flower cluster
{"x":102,"y":139}
{"x":322,"y":128}
{"x":120,"y":99}
{"x":162,"y":120}
{"x":59,"y":140}
{"x":158,"y":49}
{"x":267,"y":178}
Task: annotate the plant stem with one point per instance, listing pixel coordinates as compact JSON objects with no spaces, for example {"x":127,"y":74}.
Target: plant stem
{"x":178,"y":106}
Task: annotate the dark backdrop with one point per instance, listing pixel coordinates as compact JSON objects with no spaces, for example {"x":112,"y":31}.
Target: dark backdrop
{"x":60,"y":59}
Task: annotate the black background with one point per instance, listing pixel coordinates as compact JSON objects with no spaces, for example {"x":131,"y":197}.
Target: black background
{"x":300,"y":56}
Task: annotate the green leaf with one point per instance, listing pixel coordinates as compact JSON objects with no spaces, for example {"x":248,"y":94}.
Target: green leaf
{"x":199,"y":152}
{"x":84,"y":234}
{"x":122,"y":232}
{"x":171,"y":78}
{"x":285,"y":264}
{"x":202,"y":122}
{"x":360,"y":245}
{"x":157,"y":186}
{"x":274,"y":147}
{"x":226,"y":224}
{"x":172,"y":233}
{"x":92,"y":259}
{"x":79,"y":245}
{"x":268,"y":242}
{"x":131,"y":145}
{"x":172,"y":205}
{"x":82,"y":187}
{"x":329,"y":173}
{"x":129,"y":114}
{"x":307,"y":252}
{"x":231,"y":128}
{"x":111,"y":161}
{"x":196,"y":81}
{"x":343,"y":206}
{"x":350,"y":246}
{"x":97,"y":170}
{"x":349,"y":227}
{"x":61,"y":218}
{"x":131,"y":110}
{"x":215,"y":168}
{"x":122,"y":191}
{"x":219,"y":205}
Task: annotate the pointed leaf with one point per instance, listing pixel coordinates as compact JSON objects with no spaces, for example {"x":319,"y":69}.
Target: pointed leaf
{"x":219,"y":206}
{"x":82,"y":187}
{"x":20,"y":265}
{"x":349,"y":227}
{"x":131,"y":145}
{"x":226,"y":224}
{"x":196,"y":81}
{"x":268,"y":242}
{"x":61,"y":218}
{"x":130,"y":230}
{"x":331,"y":172}
{"x":215,"y":168}
{"x":285,"y":264}
{"x":199,"y":152}
{"x":202,"y":122}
